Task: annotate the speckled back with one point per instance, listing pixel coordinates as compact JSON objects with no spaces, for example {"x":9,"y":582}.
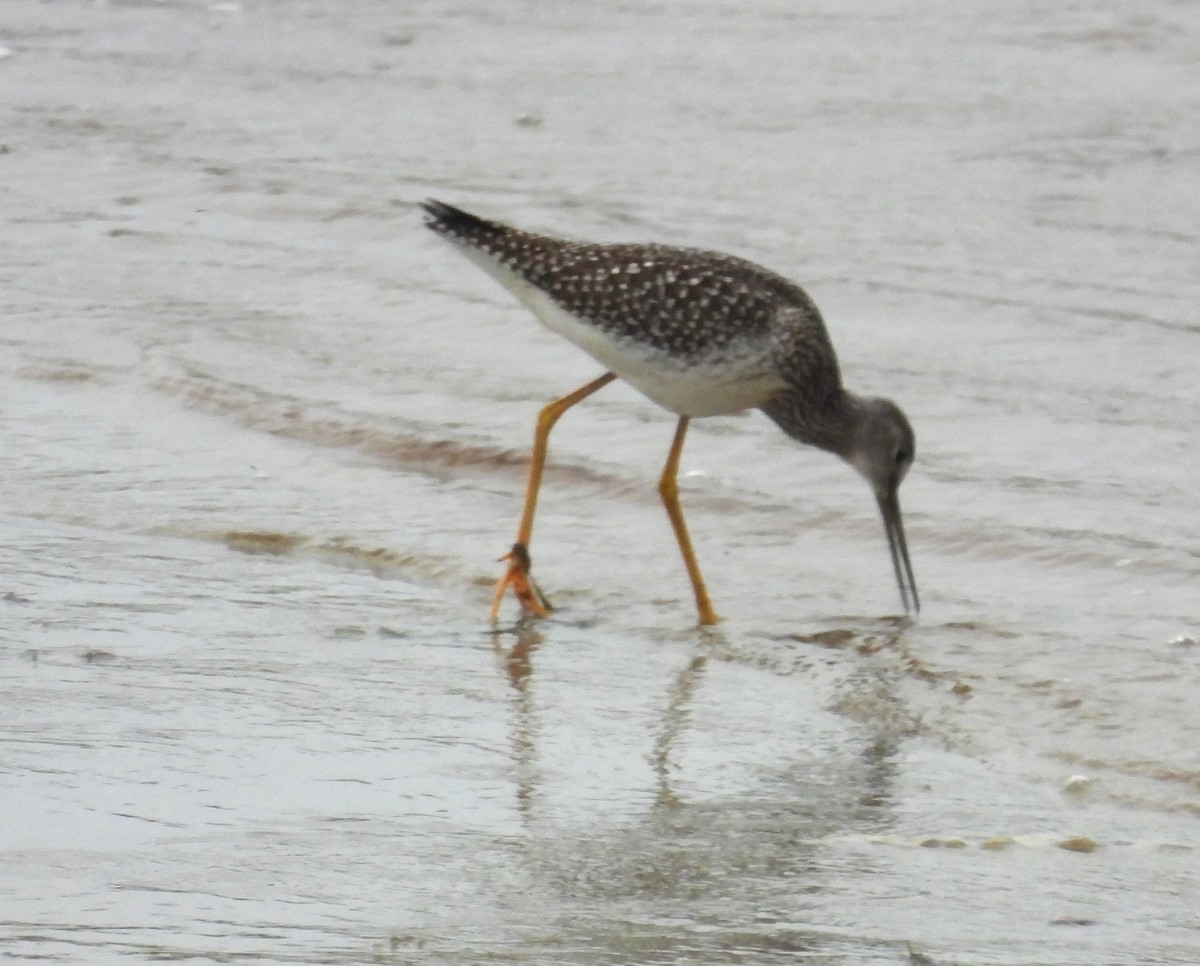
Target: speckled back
{"x":684,"y":301}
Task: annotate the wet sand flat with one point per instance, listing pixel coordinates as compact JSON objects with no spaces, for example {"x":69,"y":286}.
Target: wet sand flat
{"x":262,"y":438}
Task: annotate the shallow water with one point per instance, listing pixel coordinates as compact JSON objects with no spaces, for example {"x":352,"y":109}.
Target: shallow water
{"x":262,"y":437}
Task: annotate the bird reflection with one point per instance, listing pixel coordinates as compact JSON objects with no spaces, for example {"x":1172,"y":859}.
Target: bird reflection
{"x":517,"y":663}
{"x":518,"y":659}
{"x":675,"y":720}
{"x":878,"y":658}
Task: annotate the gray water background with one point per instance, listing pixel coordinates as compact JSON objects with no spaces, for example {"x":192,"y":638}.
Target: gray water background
{"x":262,"y":438}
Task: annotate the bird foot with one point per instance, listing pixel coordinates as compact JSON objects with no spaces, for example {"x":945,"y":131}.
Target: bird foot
{"x":518,"y":577}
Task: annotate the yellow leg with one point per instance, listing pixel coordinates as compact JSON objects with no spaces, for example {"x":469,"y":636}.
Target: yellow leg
{"x":517,"y":576}
{"x":669,"y":489}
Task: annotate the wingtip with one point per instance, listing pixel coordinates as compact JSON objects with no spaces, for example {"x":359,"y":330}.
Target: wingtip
{"x":435,"y":210}
{"x":454,"y":222}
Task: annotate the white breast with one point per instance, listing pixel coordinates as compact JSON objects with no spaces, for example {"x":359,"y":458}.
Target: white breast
{"x":691,"y":388}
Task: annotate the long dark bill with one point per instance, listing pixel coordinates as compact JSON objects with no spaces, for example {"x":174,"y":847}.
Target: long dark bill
{"x":893,"y":525}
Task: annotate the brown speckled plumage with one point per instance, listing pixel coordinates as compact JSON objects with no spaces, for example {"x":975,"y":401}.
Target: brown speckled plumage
{"x":679,"y":300}
{"x":686,"y":303}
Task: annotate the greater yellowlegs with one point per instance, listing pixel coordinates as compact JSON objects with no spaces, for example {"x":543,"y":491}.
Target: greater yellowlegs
{"x":701,"y":334}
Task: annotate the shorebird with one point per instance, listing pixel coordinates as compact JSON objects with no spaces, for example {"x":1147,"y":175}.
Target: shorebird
{"x":701,"y":334}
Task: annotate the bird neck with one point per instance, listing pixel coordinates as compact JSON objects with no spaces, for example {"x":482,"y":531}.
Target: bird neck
{"x":829,"y":421}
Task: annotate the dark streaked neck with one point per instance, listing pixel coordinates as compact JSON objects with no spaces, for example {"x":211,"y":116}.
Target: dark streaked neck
{"x":829,"y":421}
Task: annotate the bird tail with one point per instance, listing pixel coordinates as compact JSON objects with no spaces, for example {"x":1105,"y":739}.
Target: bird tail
{"x":455,"y":223}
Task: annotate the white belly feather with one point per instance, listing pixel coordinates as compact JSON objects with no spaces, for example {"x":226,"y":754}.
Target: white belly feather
{"x":688,"y":387}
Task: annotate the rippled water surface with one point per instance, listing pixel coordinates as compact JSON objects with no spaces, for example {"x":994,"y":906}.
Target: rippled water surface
{"x":262,"y":438}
